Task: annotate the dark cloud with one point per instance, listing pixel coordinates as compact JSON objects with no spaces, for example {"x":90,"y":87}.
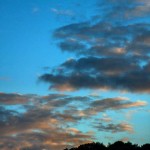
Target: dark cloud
{"x":7,"y":116}
{"x":101,"y":65}
{"x":13,"y":98}
{"x":114,"y":50}
{"x":95,"y":73}
{"x":72,"y":46}
{"x":104,"y":39}
{"x":54,"y":96}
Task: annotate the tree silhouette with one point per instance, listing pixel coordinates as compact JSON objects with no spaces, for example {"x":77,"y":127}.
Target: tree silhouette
{"x":92,"y":146}
{"x":146,"y":147}
{"x":119,"y":145}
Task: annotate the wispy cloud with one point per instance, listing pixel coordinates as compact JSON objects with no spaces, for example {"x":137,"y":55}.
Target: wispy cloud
{"x":35,"y":9}
{"x":64,"y":12}
{"x":114,"y":128}
{"x":106,"y":118}
{"x":117,"y":103}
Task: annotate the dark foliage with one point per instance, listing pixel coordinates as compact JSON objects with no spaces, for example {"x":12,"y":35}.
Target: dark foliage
{"x":119,"y":145}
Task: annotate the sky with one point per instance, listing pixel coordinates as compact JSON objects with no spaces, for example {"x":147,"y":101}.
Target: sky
{"x":74,"y":71}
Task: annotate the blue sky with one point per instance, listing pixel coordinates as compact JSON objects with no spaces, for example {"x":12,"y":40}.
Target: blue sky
{"x":76,"y":69}
{"x":18,"y":20}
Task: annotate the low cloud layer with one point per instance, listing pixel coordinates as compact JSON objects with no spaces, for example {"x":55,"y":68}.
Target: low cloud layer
{"x":42,"y":124}
{"x":50,"y":121}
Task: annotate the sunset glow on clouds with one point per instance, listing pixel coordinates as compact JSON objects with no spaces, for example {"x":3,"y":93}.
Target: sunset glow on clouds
{"x":78,"y":72}
{"x":44,"y":124}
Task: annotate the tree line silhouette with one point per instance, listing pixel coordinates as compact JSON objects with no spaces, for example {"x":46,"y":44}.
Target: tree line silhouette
{"x":119,"y":145}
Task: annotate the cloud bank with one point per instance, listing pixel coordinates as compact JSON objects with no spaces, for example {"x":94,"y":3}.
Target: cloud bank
{"x":113,"y":50}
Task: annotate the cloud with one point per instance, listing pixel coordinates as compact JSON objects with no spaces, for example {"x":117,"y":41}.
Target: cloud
{"x":103,"y":38}
{"x":101,"y":65}
{"x":50,"y":121}
{"x":54,"y":139}
{"x":113,"y":49}
{"x":62,"y":100}
{"x":114,"y":128}
{"x":116,"y":103}
{"x":71,"y":46}
{"x":39,"y":128}
{"x":126,"y":75}
{"x":13,"y":98}
{"x":42,"y":124}
{"x":40,"y":112}
{"x":125,"y":9}
{"x":62,"y":12}
{"x":113,"y":53}
{"x":105,"y":118}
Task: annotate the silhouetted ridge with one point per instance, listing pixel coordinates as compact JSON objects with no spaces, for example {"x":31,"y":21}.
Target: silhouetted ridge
{"x":119,"y":145}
